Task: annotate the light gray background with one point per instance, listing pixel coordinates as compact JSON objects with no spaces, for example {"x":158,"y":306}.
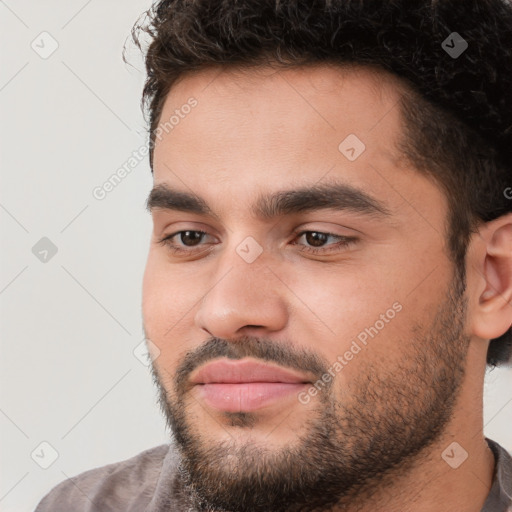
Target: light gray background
{"x":70,"y":325}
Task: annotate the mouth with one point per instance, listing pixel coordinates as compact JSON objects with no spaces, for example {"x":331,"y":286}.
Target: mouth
{"x":245,"y":385}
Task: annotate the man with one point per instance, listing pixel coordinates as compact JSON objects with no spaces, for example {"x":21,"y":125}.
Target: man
{"x":331,"y":264}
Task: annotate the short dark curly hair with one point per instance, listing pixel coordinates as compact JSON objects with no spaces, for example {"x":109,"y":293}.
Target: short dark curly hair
{"x":457,"y":109}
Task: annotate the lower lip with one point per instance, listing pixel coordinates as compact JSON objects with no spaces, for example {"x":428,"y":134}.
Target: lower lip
{"x":247,"y":396}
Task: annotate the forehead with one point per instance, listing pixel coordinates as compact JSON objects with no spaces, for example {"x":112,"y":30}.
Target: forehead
{"x":328,"y":79}
{"x":264,"y":128}
{"x":288,"y":112}
{"x":274,"y":103}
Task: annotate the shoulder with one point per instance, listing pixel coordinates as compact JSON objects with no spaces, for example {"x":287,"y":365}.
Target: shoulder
{"x":124,"y":485}
{"x":500,"y":496}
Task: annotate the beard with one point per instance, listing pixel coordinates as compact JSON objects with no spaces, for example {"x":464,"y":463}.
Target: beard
{"x":349,"y":447}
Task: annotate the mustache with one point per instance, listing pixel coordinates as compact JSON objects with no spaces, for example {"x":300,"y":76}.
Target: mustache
{"x":248,"y":346}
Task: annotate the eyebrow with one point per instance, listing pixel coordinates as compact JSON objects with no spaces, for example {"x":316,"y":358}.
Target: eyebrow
{"x":336,"y":196}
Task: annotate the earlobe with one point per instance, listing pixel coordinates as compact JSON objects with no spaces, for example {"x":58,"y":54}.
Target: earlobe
{"x":494,"y":315}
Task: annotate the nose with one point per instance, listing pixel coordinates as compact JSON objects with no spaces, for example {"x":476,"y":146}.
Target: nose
{"x":243,"y":299}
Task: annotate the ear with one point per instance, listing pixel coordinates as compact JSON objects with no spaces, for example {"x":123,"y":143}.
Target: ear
{"x":492,"y":276}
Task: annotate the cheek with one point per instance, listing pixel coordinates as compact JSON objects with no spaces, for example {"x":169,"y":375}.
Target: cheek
{"x":161,"y":300}
{"x":343,"y":300}
{"x":169,"y":294}
{"x":358,"y":315}
{"x":159,"y":317}
{"x":151,"y":296}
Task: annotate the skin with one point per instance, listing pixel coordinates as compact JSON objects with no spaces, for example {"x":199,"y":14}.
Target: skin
{"x":261,"y":131}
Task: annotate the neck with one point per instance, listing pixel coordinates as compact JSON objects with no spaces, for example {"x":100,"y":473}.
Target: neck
{"x":436,"y":482}
{"x":454,"y":473}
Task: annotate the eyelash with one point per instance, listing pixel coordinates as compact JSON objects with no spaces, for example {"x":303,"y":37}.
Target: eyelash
{"x":344,"y":242}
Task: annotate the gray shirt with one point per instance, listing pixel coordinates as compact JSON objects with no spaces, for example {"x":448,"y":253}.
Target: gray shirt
{"x":148,"y":483}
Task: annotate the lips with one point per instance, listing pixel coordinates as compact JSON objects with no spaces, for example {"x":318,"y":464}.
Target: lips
{"x":243,"y":386}
{"x":233,"y":372}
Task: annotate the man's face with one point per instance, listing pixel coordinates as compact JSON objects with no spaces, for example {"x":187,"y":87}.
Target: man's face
{"x":308,"y":342}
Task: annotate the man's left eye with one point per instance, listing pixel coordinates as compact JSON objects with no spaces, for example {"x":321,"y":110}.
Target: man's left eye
{"x":318,"y":239}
